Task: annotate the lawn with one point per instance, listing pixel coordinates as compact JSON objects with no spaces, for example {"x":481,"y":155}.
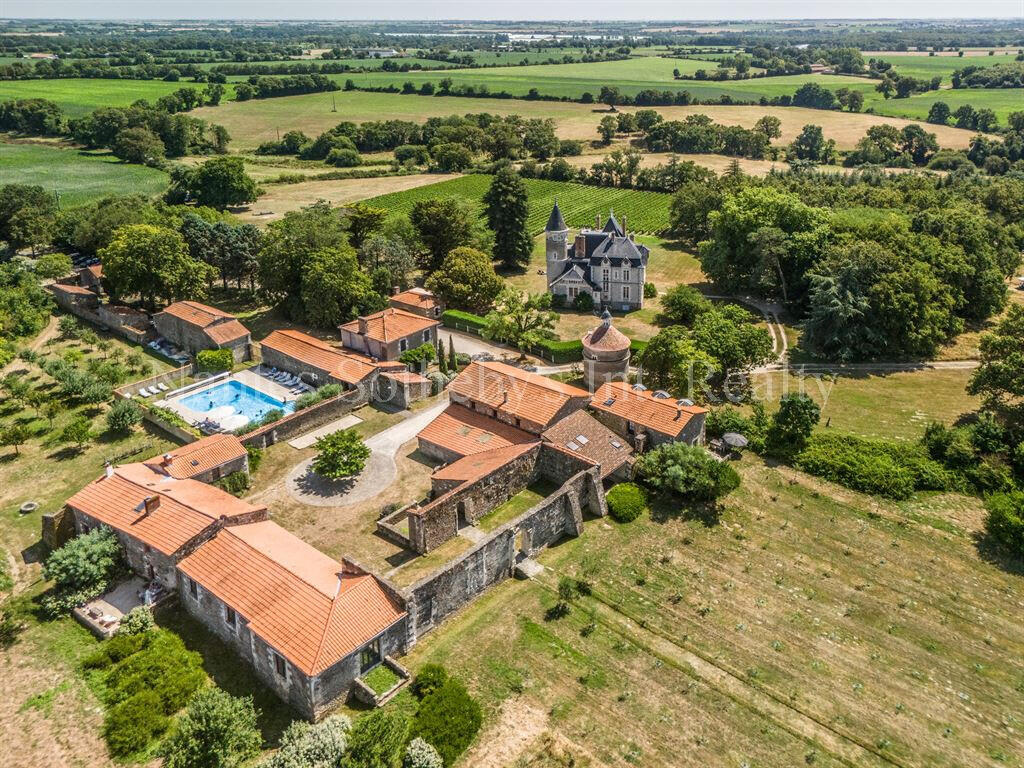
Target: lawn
{"x":580,"y":203}
{"x":526,"y":499}
{"x":77,"y":177}
{"x":805,"y":625}
{"x":78,"y":96}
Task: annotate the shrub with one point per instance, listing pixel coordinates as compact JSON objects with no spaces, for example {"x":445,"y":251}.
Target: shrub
{"x":650,"y":290}
{"x":448,"y":718}
{"x":340,"y":454}
{"x":419,"y":754}
{"x":584,"y":302}
{"x":1005,"y":521}
{"x":343,"y":158}
{"x":312,"y":746}
{"x":119,"y":647}
{"x":82,"y":569}
{"x":687,"y":471}
{"x":429,"y":678}
{"x":727,"y":419}
{"x":163,"y":666}
{"x":424,"y":353}
{"x":123,"y":416}
{"x":255,"y":457}
{"x":438,"y":381}
{"x":217,"y":731}
{"x":792,"y":424}
{"x":236,"y":483}
{"x":137,"y":621}
{"x":312,"y":398}
{"x":131,"y":725}
{"x":215,"y":360}
{"x":626,"y":501}
{"x":376,"y":740}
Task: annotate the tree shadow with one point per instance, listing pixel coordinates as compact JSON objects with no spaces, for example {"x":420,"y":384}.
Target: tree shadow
{"x":65,"y":454}
{"x":990,"y":550}
{"x":665,"y":508}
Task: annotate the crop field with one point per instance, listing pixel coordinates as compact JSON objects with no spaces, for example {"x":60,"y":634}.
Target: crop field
{"x":366,"y":63}
{"x":78,"y":97}
{"x":76,"y":176}
{"x":646,"y":211}
{"x":1002,"y":101}
{"x":800,"y":624}
{"x":941,"y":66}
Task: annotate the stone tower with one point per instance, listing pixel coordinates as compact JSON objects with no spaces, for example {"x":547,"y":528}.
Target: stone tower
{"x":556,"y":240}
{"x":605,"y":354}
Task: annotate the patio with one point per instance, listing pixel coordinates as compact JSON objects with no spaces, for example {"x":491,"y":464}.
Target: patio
{"x":102,"y":615}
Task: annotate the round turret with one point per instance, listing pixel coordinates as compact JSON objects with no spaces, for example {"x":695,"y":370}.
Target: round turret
{"x":605,"y":354}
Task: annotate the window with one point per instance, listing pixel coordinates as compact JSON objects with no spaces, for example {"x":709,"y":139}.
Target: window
{"x":279,"y":665}
{"x":604,"y":280}
{"x":625,"y":293}
{"x":216,"y":473}
{"x":403,"y":344}
{"x":426,"y":336}
{"x":370,"y":655}
{"x":625,"y":275}
{"x":572,"y":291}
{"x":615,"y":274}
{"x":229,"y":617}
{"x":193,"y":589}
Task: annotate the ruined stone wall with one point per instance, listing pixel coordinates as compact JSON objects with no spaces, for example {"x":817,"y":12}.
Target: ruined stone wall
{"x":437,"y":522}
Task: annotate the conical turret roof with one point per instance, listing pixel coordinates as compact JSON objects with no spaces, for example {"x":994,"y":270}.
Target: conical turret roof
{"x":606,"y":337}
{"x":612,"y":226}
{"x":555,"y":221}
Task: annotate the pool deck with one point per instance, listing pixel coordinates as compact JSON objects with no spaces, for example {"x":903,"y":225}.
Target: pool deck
{"x":247,"y":376}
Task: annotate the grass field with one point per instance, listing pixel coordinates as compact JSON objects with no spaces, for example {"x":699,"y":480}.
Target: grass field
{"x":76,"y":176}
{"x":941,"y":66}
{"x":805,"y":625}
{"x":646,"y":211}
{"x":78,"y":97}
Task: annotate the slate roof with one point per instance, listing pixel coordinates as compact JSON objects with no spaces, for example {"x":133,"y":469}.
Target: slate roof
{"x":555,"y":221}
{"x":199,"y":457}
{"x":311,"y":609}
{"x":641,"y":407}
{"x":513,"y":391}
{"x":583,"y":435}
{"x":464,"y":431}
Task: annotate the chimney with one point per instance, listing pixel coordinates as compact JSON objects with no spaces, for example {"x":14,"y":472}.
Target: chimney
{"x":364,"y":326}
{"x":151,"y":504}
{"x":108,"y":469}
{"x":623,"y":224}
{"x":394,"y":290}
{"x":597,"y":221}
{"x":166,"y":460}
{"x":580,"y":248}
{"x":679,"y":414}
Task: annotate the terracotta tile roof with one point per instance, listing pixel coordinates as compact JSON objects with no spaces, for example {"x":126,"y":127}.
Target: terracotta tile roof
{"x":318,"y":354}
{"x":406,"y":377}
{"x":476,"y":465}
{"x":606,"y":338}
{"x":514,"y":391}
{"x":68,"y":288}
{"x":416,"y":297}
{"x":96,"y":270}
{"x":186,"y":508}
{"x":199,"y":457}
{"x":464,"y":431}
{"x":310,"y":608}
{"x":641,"y":407}
{"x":390,"y":325}
{"x":581,"y":434}
{"x":219,"y":326}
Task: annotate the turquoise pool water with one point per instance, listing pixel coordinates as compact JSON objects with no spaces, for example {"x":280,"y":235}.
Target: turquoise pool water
{"x":245,"y":400}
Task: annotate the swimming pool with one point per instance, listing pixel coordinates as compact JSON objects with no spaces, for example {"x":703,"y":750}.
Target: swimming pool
{"x":243,"y":399}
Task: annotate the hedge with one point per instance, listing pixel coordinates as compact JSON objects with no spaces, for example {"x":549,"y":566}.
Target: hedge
{"x":215,"y":360}
{"x":463,"y":321}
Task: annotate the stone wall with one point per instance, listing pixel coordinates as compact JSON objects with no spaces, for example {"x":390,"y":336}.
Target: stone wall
{"x":141,"y":558}
{"x":437,"y":522}
{"x":173,"y":379}
{"x":491,"y":561}
{"x":307,"y":419}
{"x":193,"y":339}
{"x":58,"y":528}
{"x":400,"y":394}
{"x":693,"y":432}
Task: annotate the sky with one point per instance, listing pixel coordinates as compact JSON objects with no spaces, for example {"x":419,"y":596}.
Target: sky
{"x":605,"y":10}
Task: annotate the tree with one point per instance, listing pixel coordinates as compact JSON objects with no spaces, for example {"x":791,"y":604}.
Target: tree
{"x":682,"y":305}
{"x":811,"y":145}
{"x":33,"y":199}
{"x":391,"y":254}
{"x":335,"y":290}
{"x":78,"y":431}
{"x":735,"y":345}
{"x":29,"y":228}
{"x":50,"y":266}
{"x":814,"y":96}
{"x":1004,"y":522}
{"x":218,"y":183}
{"x":363,"y":220}
{"x":340,"y":454}
{"x":218,"y":730}
{"x":770,"y":126}
{"x":939,"y":113}
{"x":466,"y":280}
{"x":520,"y":319}
{"x":999,"y":378}
{"x":671,"y":361}
{"x":443,"y":225}
{"x":507,"y":211}
{"x":686,"y":471}
{"x":154,"y":263}
{"x":14,"y":435}
{"x":690,"y":212}
{"x":139,"y":145}
{"x":52,"y":409}
{"x":919,"y":144}
{"x":376,"y":740}
{"x":123,"y":416}
{"x":610,"y":95}
{"x":792,"y":424}
{"x":607,"y":128}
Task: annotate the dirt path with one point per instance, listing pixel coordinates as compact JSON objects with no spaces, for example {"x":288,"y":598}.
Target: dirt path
{"x":518,"y":726}
{"x":37,"y":343}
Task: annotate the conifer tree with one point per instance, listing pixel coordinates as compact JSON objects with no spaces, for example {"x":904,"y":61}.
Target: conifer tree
{"x":507,"y":211}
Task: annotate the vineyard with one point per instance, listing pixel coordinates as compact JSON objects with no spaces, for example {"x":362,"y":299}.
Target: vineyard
{"x":646,"y":212}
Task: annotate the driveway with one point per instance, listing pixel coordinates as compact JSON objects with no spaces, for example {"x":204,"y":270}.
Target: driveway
{"x":468,"y":344}
{"x":307,"y":487}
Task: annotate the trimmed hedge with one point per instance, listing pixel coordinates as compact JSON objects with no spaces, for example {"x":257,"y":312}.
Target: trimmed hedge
{"x":626,"y":502}
{"x":559,"y":351}
{"x":463,"y":321}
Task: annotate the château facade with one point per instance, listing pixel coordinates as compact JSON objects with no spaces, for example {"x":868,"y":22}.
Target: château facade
{"x":604,"y":262}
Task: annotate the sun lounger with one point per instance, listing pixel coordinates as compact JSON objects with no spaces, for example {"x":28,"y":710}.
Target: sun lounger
{"x":163,"y":387}
{"x":143,"y":392}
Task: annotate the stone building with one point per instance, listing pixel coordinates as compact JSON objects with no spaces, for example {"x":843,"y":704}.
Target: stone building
{"x":583,"y":435}
{"x":385,"y":335}
{"x":418,"y":301}
{"x":460,"y":431}
{"x":91,"y":277}
{"x":605,"y":354}
{"x":648,"y":418}
{"x":193,"y":327}
{"x":208,"y":459}
{"x":74,"y":298}
{"x":604,"y":262}
{"x":316,"y":361}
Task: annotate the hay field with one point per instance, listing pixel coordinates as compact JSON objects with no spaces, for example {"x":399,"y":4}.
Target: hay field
{"x":78,"y":97}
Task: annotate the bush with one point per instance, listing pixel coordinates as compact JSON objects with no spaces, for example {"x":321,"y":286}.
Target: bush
{"x":119,"y":647}
{"x":419,"y":754}
{"x":376,"y":740}
{"x":727,"y":419}
{"x":211,"y":360}
{"x":1005,"y":521}
{"x":650,"y":290}
{"x":424,"y":353}
{"x":312,"y":398}
{"x":343,"y":158}
{"x":687,"y":471}
{"x":463,"y":321}
{"x":130,"y":726}
{"x":236,"y":483}
{"x":312,"y":746}
{"x":448,"y":718}
{"x":82,"y":569}
{"x":626,"y":501}
{"x":428,"y":679}
{"x":217,"y":731}
{"x":123,"y":417}
{"x":255,"y":457}
{"x":164,"y":667}
{"x":137,"y":621}
{"x":584,"y":302}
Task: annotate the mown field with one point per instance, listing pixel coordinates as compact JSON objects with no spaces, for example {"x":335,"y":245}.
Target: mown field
{"x":76,"y":176}
{"x":646,"y":211}
{"x":78,"y":97}
{"x":941,"y":66}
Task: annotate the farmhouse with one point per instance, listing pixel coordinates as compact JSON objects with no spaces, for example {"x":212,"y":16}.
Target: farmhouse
{"x":74,"y":298}
{"x":418,"y":301}
{"x":194,"y":327}
{"x":648,"y":417}
{"x":604,"y":262}
{"x":460,"y":431}
{"x":385,"y":335}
